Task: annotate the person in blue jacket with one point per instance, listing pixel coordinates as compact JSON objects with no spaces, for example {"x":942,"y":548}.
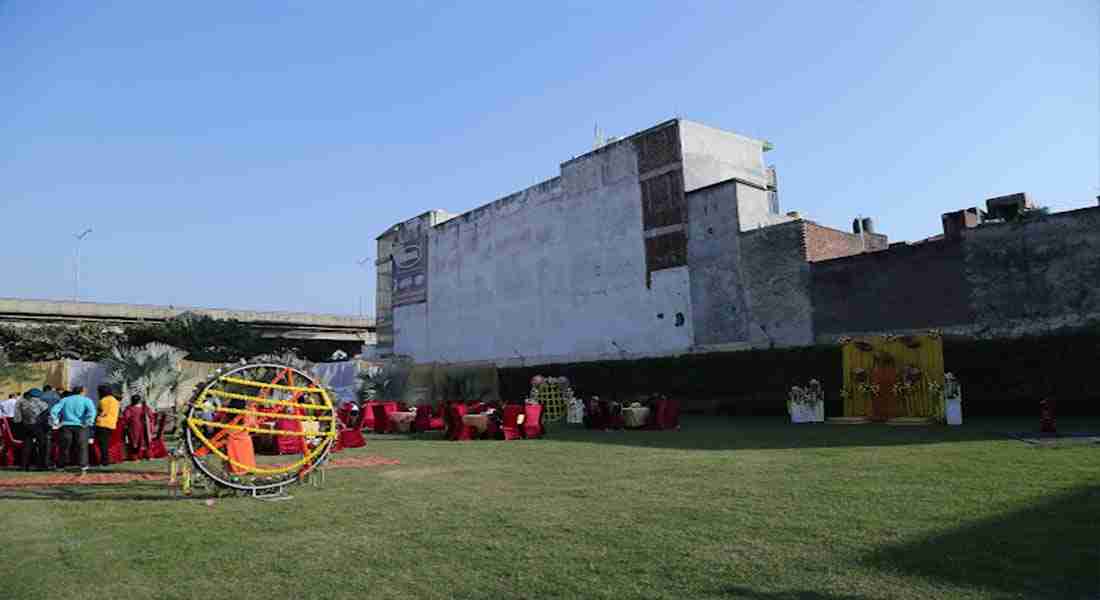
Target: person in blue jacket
{"x":76,"y":413}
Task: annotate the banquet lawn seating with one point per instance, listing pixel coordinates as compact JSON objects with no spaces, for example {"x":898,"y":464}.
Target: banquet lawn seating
{"x":532,"y":421}
{"x":351,"y":434}
{"x":456,"y":429}
{"x":666,"y":414}
{"x":509,"y":424}
{"x":382,"y":412}
{"x":368,"y":415}
{"x":427,"y":419}
{"x":289,"y":444}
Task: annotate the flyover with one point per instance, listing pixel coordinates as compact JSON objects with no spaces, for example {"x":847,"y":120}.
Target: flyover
{"x":290,"y":325}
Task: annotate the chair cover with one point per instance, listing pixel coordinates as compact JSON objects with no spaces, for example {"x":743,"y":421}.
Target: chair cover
{"x":459,"y":430}
{"x":425,"y":421}
{"x":532,"y":420}
{"x":509,"y":425}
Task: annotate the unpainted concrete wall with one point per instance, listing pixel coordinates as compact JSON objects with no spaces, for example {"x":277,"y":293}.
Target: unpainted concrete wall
{"x":712,"y":156}
{"x":1039,"y":272}
{"x":999,"y":280}
{"x":553,"y":273}
{"x":776,"y":277}
{"x":714,"y":257}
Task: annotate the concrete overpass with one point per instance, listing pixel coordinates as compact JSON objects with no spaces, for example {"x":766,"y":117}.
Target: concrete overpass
{"x":291,"y":325}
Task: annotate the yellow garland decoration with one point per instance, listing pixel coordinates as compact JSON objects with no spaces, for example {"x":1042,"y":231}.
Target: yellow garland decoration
{"x":272,"y":386}
{"x":259,"y":400}
{"x":254,"y":469}
{"x":260,"y":430}
{"x":260,"y":413}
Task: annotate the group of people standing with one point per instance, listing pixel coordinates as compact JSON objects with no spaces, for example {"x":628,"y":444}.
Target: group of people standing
{"x":39,"y":412}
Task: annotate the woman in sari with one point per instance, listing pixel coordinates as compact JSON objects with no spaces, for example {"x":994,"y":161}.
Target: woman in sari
{"x":238,"y":446}
{"x":138,"y":427}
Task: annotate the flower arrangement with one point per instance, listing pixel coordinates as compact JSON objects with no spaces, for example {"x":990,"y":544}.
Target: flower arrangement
{"x":842,"y":340}
{"x":951,"y":387}
{"x":803,"y":400}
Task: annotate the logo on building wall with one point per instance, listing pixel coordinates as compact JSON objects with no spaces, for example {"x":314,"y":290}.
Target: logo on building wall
{"x":410,"y":263}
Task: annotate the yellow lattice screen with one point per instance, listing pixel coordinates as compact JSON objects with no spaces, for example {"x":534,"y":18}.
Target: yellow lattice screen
{"x":923,"y":352}
{"x":554,"y":397}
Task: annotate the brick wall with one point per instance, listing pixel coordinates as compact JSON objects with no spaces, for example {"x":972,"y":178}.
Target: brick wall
{"x":904,"y":287}
{"x":824,"y":243}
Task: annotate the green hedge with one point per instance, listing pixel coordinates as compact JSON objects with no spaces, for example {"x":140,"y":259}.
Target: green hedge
{"x":999,"y":377}
{"x":740,"y":383}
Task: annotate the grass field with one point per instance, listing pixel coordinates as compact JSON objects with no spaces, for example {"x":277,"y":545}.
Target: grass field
{"x":747,"y":508}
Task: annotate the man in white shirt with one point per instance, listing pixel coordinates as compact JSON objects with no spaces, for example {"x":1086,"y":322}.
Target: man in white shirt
{"x":7,"y":407}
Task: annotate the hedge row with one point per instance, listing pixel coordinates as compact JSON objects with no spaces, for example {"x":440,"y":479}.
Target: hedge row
{"x":999,"y":377}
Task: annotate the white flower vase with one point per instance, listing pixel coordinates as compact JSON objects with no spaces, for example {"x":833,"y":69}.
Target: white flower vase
{"x":952,"y":410}
{"x":807,"y":413}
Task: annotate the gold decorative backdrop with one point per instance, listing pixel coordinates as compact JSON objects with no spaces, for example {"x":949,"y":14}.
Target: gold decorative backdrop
{"x":924,"y":352}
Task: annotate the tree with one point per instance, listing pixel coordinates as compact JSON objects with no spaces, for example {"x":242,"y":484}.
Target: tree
{"x":152,"y":370}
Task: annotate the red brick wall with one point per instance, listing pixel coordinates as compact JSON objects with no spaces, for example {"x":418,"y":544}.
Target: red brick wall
{"x":823,"y":243}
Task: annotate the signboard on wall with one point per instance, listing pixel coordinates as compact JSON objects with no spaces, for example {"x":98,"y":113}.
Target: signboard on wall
{"x":410,"y":263}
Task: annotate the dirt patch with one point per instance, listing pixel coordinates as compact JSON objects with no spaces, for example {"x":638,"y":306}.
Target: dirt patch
{"x":123,"y":477}
{"x":68,"y":479}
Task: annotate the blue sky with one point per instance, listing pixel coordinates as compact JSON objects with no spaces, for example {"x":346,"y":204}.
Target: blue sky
{"x":246,"y":154}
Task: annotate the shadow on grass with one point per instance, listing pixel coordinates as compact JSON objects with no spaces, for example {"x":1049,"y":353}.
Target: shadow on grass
{"x":1049,"y":550}
{"x":767,"y":433}
{"x":135,"y":491}
{"x":736,"y":591}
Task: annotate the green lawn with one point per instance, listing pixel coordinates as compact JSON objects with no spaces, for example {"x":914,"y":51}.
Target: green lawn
{"x":744,"y":508}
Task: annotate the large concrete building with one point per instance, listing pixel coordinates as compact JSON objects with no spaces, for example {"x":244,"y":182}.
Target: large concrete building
{"x":660,"y":243}
{"x":671,"y":241}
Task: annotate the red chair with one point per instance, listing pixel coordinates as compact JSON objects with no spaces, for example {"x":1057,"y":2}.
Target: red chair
{"x":459,"y":431}
{"x":509,"y":424}
{"x":667,"y":414}
{"x":12,"y":448}
{"x":289,"y":444}
{"x":368,"y":415}
{"x":532,"y":421}
{"x":425,"y":421}
{"x":382,"y":411}
{"x":350,"y":436}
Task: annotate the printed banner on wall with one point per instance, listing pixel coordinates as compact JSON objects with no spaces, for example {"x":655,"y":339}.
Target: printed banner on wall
{"x":410,"y":263}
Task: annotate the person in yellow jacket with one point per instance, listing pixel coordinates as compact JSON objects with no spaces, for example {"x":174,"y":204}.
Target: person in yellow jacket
{"x":105,"y":423}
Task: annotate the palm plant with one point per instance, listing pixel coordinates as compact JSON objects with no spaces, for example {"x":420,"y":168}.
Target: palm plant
{"x":388,"y":381}
{"x":152,"y":370}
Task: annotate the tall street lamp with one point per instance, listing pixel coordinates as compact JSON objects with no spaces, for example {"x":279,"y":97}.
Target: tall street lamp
{"x":364,"y":262}
{"x":76,"y":263}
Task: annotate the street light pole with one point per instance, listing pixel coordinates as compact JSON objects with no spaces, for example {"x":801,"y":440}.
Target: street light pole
{"x":362,"y":263}
{"x":76,"y":263}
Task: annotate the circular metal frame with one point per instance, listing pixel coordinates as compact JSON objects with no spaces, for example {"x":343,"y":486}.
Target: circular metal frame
{"x":318,"y":460}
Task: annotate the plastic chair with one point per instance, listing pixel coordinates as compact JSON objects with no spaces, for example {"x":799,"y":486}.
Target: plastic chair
{"x":368,"y":415}
{"x":459,"y":431}
{"x":382,"y":412}
{"x":425,"y":421}
{"x":509,"y":424}
{"x":532,"y":421}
